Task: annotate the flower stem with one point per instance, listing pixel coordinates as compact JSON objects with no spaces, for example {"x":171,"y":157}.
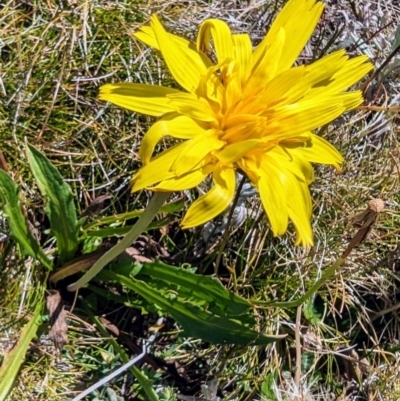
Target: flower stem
{"x":145,"y":219}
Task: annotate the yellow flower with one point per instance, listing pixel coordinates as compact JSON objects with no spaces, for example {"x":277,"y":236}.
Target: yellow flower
{"x":242,"y":109}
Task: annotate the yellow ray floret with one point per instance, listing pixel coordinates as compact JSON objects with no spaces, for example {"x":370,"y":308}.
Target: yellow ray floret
{"x":251,"y":111}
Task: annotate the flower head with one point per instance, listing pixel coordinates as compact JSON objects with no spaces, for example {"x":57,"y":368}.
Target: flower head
{"x":242,"y":109}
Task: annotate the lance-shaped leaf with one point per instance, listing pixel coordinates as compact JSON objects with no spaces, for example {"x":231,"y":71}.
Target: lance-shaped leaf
{"x":202,"y":287}
{"x":19,"y":229}
{"x":195,"y":288}
{"x":198,"y":322}
{"x":60,"y":207}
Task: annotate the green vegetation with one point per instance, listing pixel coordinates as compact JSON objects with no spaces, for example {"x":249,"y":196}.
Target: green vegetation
{"x":256,"y":314}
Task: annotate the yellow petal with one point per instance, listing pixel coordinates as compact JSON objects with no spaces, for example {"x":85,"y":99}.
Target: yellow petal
{"x":159,"y":169}
{"x":242,"y":52}
{"x":250,"y":165}
{"x":283,"y":194}
{"x":240,"y":127}
{"x":320,"y":73}
{"x":298,"y":19}
{"x":192,"y":106}
{"x":175,"y":125}
{"x":231,"y":153}
{"x":222,"y":38}
{"x":215,"y":201}
{"x":306,"y":116}
{"x":353,"y":70}
{"x":302,"y":226}
{"x":210,"y":86}
{"x":150,"y":140}
{"x":146,"y":99}
{"x":186,"y":181}
{"x":307,"y":172}
{"x":286,"y":159}
{"x":299,"y":208}
{"x":338,"y":77}
{"x":328,"y":76}
{"x":183,"y":127}
{"x":185,"y":64}
{"x":320,"y":151}
{"x":196,"y":152}
{"x":233,"y":90}
{"x":301,"y":220}
{"x":293,"y":195}
{"x":285,"y":87}
{"x":265,"y":67}
{"x":305,"y":83}
{"x":273,"y":198}
{"x":351,"y":100}
{"x":147,"y":35}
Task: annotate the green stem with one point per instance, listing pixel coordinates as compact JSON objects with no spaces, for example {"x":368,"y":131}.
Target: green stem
{"x":329,"y":272}
{"x":145,"y":219}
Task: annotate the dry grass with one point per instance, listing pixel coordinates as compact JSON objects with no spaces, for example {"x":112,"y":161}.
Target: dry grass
{"x":53,"y":57}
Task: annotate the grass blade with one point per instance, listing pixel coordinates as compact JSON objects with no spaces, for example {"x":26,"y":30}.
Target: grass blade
{"x":13,"y":361}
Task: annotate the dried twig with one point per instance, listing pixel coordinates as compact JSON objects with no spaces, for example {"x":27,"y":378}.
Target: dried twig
{"x":298,"y":349}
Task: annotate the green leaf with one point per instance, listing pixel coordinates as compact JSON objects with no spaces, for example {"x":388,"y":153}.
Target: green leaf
{"x":60,"y":207}
{"x":197,"y":322}
{"x":310,"y":313}
{"x":18,"y":225}
{"x":91,"y":244}
{"x":267,"y":387}
{"x":189,"y":286}
{"x":198,"y":286}
{"x":13,"y":361}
